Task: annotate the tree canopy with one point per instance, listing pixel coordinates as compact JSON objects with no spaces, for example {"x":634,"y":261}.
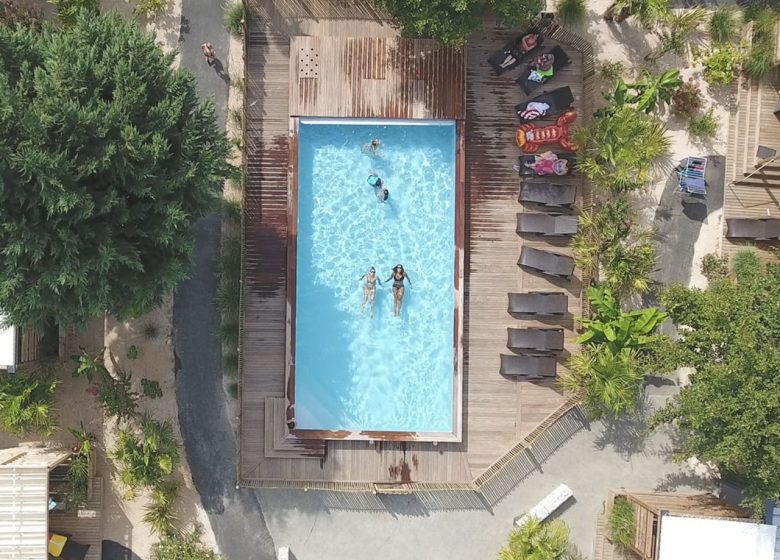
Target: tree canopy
{"x":452,"y":21}
{"x":728,"y":413}
{"x":107,"y":157}
{"x":537,"y":540}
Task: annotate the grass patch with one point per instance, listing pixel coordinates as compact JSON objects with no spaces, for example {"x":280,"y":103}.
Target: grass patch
{"x":232,"y":390}
{"x":234,"y":18}
{"x":571,"y":12}
{"x":612,"y":71}
{"x":236,"y":116}
{"x":723,"y":25}
{"x":230,"y":364}
{"x":704,"y":126}
{"x":151,"y":388}
{"x":622,"y":522}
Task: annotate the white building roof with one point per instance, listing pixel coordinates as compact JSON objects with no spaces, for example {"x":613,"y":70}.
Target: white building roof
{"x":24,"y":512}
{"x":696,"y":538}
{"x":7,"y":345}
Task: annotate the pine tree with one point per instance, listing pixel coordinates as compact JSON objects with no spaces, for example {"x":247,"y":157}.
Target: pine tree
{"x":107,"y":157}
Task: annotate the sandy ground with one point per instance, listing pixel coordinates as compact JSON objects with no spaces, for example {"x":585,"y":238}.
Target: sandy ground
{"x":628,"y":43}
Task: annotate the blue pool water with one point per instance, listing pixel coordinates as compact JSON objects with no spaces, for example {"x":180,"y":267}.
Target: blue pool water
{"x":386,"y":373}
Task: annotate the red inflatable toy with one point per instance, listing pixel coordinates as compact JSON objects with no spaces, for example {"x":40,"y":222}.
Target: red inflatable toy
{"x":530,"y":136}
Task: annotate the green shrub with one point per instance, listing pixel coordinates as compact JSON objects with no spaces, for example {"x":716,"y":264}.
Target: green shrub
{"x":687,"y":100}
{"x":27,"y":404}
{"x":705,"y":126}
{"x":132,"y":352}
{"x":760,"y":60}
{"x":231,"y":211}
{"x":622,"y":522}
{"x":145,"y":460}
{"x":230,"y":364}
{"x":183,"y":546}
{"x":723,"y":25}
{"x":228,"y":333}
{"x":88,"y":365}
{"x":232,"y":390}
{"x":612,"y":71}
{"x":68,"y":10}
{"x":234,"y":17}
{"x":571,"y":11}
{"x":150,"y":7}
{"x":746,"y":264}
{"x":721,"y":64}
{"x":714,"y":266}
{"x":115,"y":397}
{"x":151,"y":388}
{"x":236,"y":116}
{"x":160,"y":513}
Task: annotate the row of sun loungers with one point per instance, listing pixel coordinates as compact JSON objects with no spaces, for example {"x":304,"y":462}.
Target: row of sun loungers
{"x":535,"y":340}
{"x":528,"y":366}
{"x":757,"y":229}
{"x":542,"y":304}
{"x":546,"y":262}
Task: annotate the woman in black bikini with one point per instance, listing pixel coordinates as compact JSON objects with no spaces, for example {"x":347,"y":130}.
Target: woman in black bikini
{"x":397,"y":277}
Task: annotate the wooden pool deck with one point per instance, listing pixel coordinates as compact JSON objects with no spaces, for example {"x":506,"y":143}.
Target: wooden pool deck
{"x":753,"y":186}
{"x":500,"y":415}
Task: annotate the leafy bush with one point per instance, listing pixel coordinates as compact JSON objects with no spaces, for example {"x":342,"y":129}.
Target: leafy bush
{"x":687,"y":100}
{"x":705,"y":126}
{"x":132,"y":352}
{"x":234,"y":17}
{"x":723,"y":25}
{"x":68,"y":10}
{"x":232,"y":390}
{"x":160,"y":513}
{"x":230,"y":363}
{"x":236,"y":116}
{"x":760,"y":60}
{"x":714,"y":266}
{"x":115,"y":397}
{"x":612,"y":71}
{"x":88,"y":365}
{"x":721,"y":64}
{"x":151,"y":388}
{"x":622,"y":522}
{"x":145,"y":460}
{"x":150,"y":7}
{"x":571,"y":11}
{"x":746,"y":264}
{"x":78,"y":469}
{"x":27,"y":404}
{"x":183,"y":546}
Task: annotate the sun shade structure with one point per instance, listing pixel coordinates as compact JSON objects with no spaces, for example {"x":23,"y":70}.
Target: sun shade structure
{"x":24,"y":501}
{"x":538,"y":303}
{"x":555,"y":225}
{"x":691,"y":538}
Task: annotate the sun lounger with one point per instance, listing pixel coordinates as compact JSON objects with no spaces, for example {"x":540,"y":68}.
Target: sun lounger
{"x":513,"y":53}
{"x":546,"y":262}
{"x":547,"y":506}
{"x":758,"y":229}
{"x":547,"y":224}
{"x":534,"y":367}
{"x":535,"y":340}
{"x":548,"y":194}
{"x":561,"y":60}
{"x":530,"y":165}
{"x":558,"y":101}
{"x":538,"y":303}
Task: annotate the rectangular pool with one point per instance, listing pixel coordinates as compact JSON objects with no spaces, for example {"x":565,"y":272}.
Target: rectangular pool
{"x":351,"y":375}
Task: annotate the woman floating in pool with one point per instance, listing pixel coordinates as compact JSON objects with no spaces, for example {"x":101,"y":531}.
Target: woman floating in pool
{"x":372,"y":147}
{"x":397,"y":277}
{"x":369,"y":290}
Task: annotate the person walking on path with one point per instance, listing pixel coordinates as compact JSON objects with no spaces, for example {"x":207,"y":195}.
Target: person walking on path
{"x":209,"y":53}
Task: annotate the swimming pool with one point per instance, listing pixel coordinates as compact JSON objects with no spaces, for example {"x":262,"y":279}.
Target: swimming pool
{"x":353,"y":375}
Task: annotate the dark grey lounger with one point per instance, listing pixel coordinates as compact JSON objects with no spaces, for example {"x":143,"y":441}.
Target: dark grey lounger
{"x":533,"y":340}
{"x":538,"y":303}
{"x":528,"y":366}
{"x":548,"y":194}
{"x":547,"y":224}
{"x":753,"y":228}
{"x":547,"y":262}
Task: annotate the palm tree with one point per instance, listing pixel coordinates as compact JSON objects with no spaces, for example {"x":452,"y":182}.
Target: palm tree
{"x":627,"y":265}
{"x":647,"y":12}
{"x":609,"y":383}
{"x":539,"y":541}
{"x":146,"y":460}
{"x":619,"y":152}
{"x":27,"y":404}
{"x":600,"y":230}
{"x":678,"y":31}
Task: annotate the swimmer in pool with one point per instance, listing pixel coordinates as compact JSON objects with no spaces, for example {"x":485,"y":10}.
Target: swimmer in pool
{"x":398,"y":276}
{"x":382,"y":195}
{"x":369,"y":290}
{"x":372,"y":147}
